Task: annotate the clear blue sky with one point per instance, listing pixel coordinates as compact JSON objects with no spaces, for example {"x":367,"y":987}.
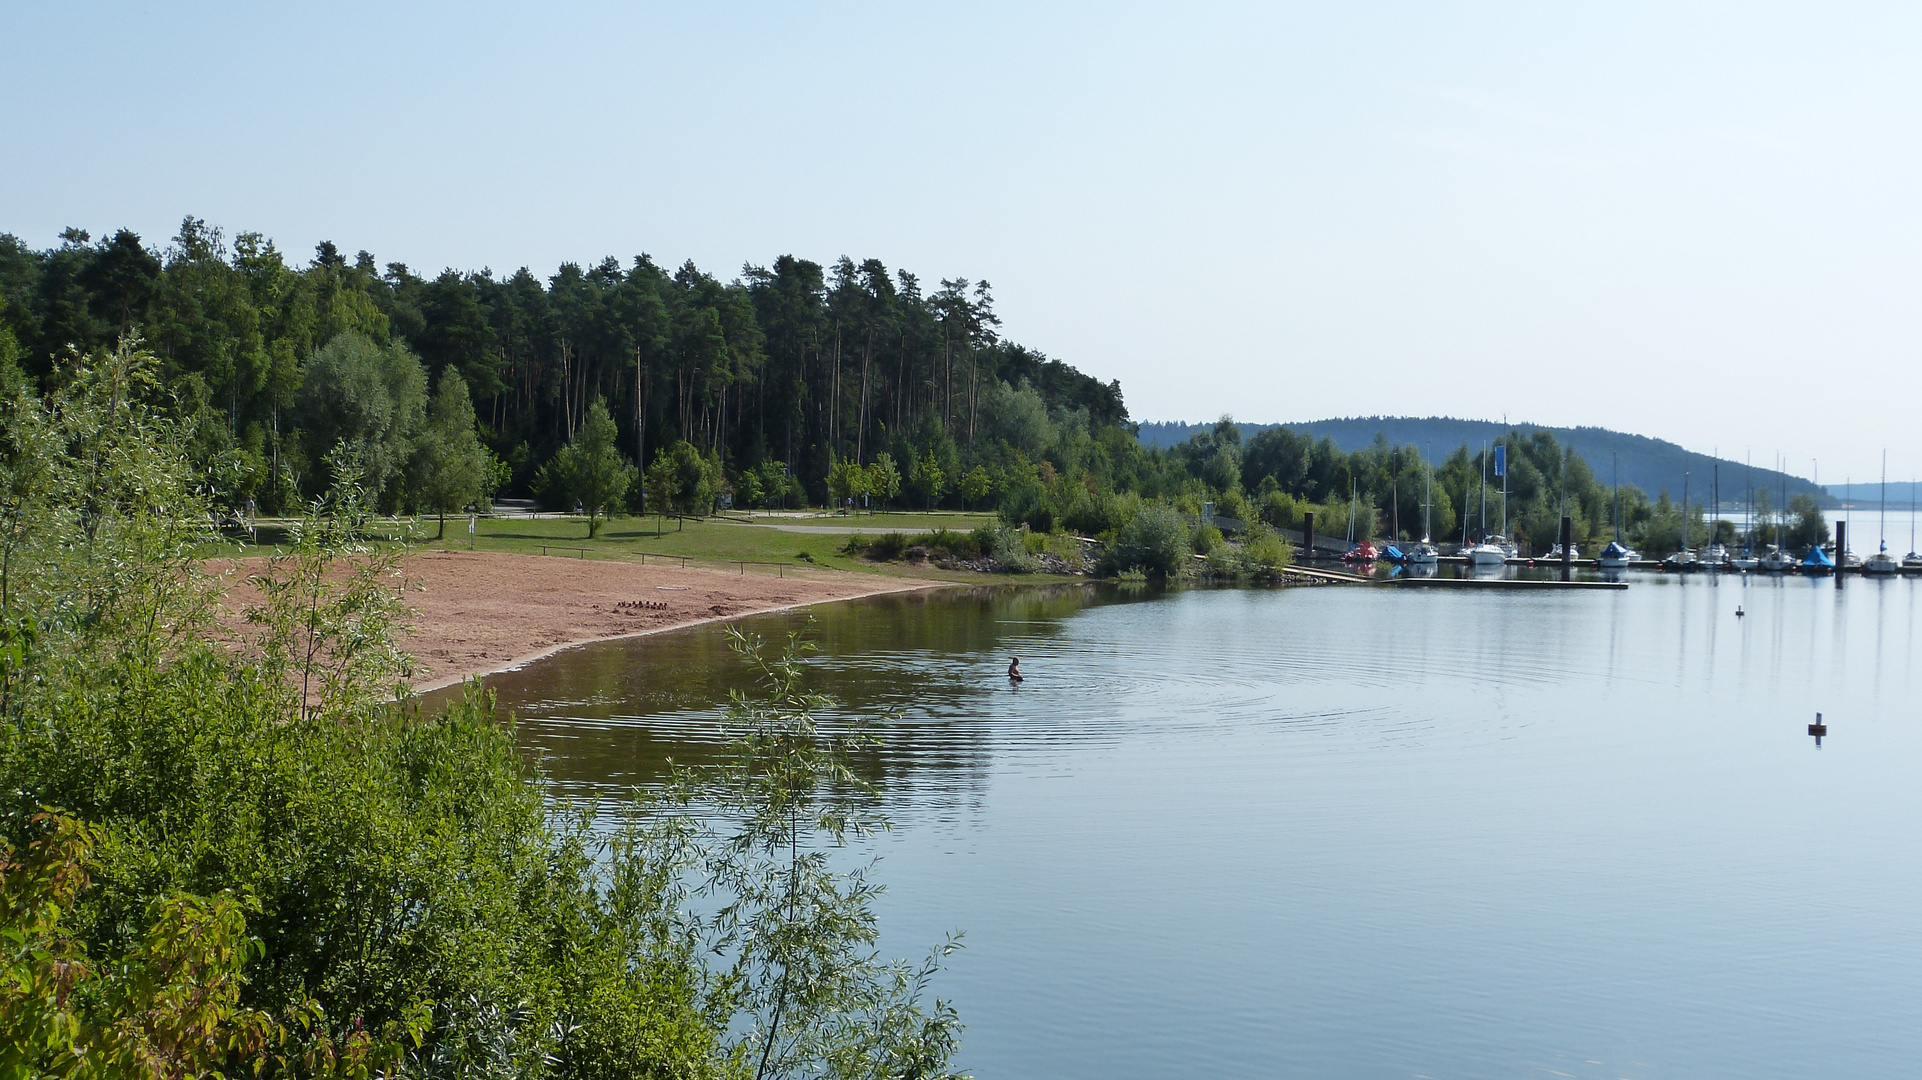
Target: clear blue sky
{"x":1704,"y":225}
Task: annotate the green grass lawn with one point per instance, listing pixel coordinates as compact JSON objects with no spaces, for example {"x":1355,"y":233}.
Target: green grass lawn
{"x":707,"y":542}
{"x":702,"y":542}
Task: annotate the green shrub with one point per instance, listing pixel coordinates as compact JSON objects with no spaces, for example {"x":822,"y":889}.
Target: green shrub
{"x":1156,"y":541}
{"x":887,"y":547}
{"x":1010,"y":551}
{"x":1265,"y":551}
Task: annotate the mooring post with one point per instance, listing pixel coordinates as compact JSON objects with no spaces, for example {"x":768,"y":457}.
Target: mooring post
{"x":1841,"y":549}
{"x":1308,"y":534}
{"x":1568,"y":540}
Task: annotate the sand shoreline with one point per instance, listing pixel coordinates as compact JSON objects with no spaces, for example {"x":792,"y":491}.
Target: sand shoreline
{"x":478,"y":613}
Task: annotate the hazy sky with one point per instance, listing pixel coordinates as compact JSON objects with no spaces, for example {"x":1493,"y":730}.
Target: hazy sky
{"x":1704,"y":225}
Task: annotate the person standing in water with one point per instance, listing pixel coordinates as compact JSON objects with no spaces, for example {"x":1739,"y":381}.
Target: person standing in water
{"x":1014,"y":669}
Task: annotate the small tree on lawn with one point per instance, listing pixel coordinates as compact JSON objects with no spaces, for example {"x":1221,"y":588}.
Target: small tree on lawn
{"x":846,"y":481}
{"x":451,"y":467}
{"x":683,"y":481}
{"x":591,"y":469}
{"x":929,"y":478}
{"x":884,"y":478}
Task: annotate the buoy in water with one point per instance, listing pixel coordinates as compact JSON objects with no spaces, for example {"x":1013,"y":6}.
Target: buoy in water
{"x":1738,"y":611}
{"x":1818,"y":729}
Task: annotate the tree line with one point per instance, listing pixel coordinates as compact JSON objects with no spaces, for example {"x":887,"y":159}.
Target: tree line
{"x":617,"y":387}
{"x":773,"y":380}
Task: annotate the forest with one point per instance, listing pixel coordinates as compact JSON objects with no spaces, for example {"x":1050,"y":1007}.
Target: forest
{"x":615,"y":387}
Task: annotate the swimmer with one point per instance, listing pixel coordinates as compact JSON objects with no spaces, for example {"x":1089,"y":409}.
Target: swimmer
{"x":1014,"y":669}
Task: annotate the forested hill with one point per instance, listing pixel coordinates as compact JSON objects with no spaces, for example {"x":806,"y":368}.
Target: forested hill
{"x":784,"y":368}
{"x":1654,"y":465}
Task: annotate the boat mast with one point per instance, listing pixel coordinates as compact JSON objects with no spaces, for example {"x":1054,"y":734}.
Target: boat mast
{"x":1782,"y":514}
{"x":1615,"y":469}
{"x":1484,"y":492}
{"x":1428,"y":494}
{"x":1504,"y":492}
{"x":1883,"y":527}
{"x":1687,"y":525}
{"x":1715,"y":497}
{"x":1468,"y":485}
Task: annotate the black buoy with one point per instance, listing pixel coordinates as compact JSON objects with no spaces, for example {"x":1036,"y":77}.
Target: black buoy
{"x":1738,"y":611}
{"x":1818,"y":729}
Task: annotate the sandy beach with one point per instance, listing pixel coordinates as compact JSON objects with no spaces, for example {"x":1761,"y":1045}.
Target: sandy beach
{"x":480,"y":611}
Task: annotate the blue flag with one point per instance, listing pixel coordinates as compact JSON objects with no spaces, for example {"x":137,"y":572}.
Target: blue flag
{"x":1501,"y":460}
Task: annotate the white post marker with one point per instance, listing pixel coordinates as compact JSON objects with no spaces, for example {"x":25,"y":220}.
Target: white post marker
{"x":471,"y":519}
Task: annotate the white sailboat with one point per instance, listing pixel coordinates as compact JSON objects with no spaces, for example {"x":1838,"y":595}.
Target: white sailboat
{"x":1747,"y":561}
{"x":1684,"y":560}
{"x":1617,"y":555}
{"x":1776,"y":560}
{"x":1485,"y":553}
{"x":1425,"y":553}
{"x":1883,"y":564}
{"x":1912,"y":562}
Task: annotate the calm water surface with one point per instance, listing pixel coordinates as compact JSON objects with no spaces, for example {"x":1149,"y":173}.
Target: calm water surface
{"x":1366,"y":832}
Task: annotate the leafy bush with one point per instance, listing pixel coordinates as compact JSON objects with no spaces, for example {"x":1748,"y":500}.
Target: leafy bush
{"x":1156,"y":542}
{"x":885,"y":547}
{"x":1207,"y":538}
{"x":1010,"y":551}
{"x":1265,"y":551}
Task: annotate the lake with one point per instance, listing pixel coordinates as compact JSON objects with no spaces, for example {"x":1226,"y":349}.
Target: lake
{"x":1364,"y":831}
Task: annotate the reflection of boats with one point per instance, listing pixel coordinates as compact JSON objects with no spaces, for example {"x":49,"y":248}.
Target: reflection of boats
{"x":1817,"y":562}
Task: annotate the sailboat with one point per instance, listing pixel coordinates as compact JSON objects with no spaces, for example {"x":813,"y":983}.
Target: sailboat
{"x":1912,"y":563}
{"x":1425,"y":553}
{"x":1776,"y":560}
{"x":1883,"y":564}
{"x":1845,"y":556}
{"x":1555,"y":549}
{"x":1486,"y":553}
{"x":1715,"y":556}
{"x":1617,"y":555}
{"x":1747,"y":561}
{"x":1684,"y":560}
{"x":1362,"y":554}
{"x":1817,"y":562}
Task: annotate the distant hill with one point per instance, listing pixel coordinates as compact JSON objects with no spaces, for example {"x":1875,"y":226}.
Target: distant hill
{"x":1654,"y":465}
{"x":1869,"y":495}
